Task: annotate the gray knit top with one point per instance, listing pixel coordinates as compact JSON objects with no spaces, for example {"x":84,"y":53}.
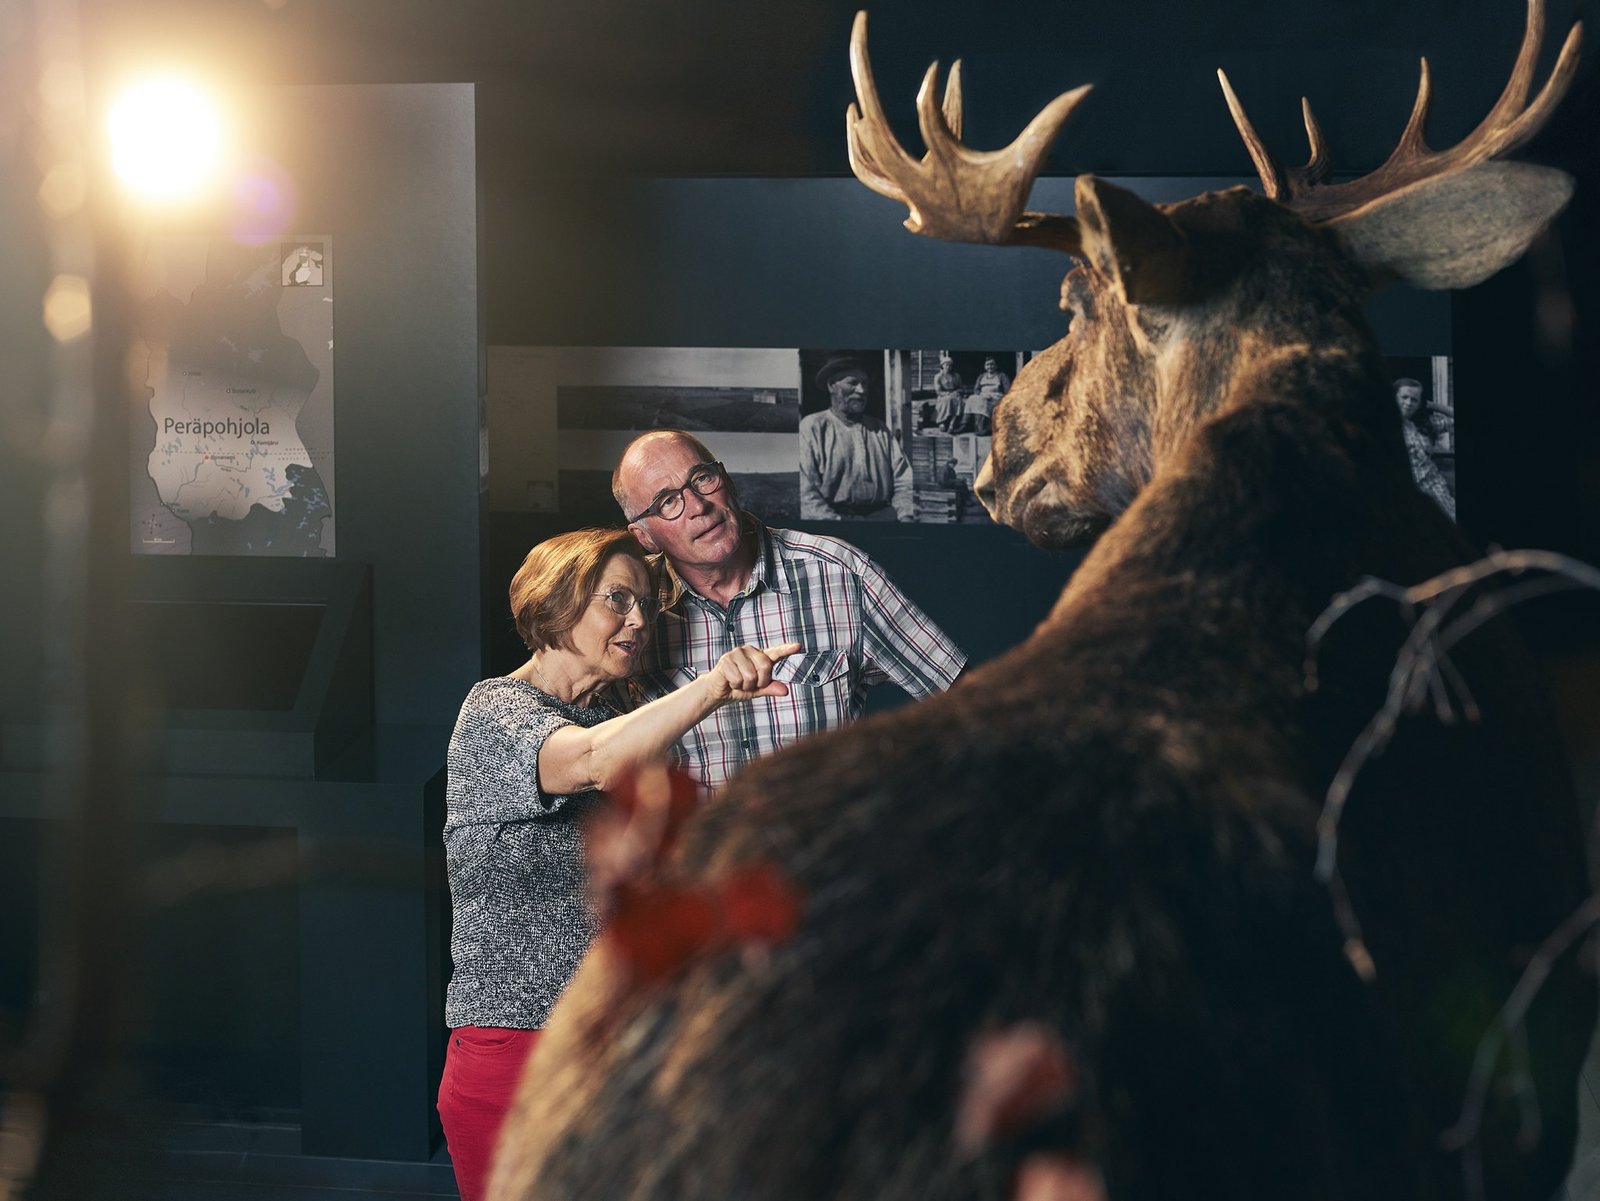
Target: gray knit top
{"x":521,"y":919}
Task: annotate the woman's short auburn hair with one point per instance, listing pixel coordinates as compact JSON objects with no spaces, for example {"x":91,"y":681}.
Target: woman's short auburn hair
{"x":557,"y":579}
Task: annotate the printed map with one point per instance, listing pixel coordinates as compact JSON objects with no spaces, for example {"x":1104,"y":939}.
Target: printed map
{"x":232,"y":442}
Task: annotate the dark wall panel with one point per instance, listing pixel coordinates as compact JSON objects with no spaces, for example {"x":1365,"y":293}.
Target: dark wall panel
{"x":390,"y":171}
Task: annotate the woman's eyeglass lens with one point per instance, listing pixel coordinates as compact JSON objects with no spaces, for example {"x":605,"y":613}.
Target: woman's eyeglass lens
{"x":621,"y":602}
{"x":705,"y":480}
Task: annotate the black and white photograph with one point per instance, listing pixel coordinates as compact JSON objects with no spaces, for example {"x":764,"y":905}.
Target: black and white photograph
{"x":563,"y":416}
{"x":756,"y":409}
{"x":955,"y":391}
{"x":946,"y":401}
{"x":851,"y":461}
{"x":1423,"y":393}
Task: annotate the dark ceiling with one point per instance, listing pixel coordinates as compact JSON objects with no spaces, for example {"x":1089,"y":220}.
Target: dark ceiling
{"x":759,"y":87}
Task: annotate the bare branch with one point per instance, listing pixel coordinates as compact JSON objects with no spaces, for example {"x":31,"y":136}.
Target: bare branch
{"x":1421,"y":665}
{"x":1507,"y":1026}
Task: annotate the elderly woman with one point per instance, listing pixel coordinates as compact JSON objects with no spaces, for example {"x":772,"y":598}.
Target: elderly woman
{"x":531,"y":755}
{"x":946,"y":393}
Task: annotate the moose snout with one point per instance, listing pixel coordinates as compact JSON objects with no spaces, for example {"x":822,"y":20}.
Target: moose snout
{"x":983,"y":487}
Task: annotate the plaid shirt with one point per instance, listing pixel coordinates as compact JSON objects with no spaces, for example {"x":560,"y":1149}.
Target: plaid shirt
{"x":855,"y":628}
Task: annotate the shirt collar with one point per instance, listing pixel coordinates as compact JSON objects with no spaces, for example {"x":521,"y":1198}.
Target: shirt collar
{"x":771,"y":563}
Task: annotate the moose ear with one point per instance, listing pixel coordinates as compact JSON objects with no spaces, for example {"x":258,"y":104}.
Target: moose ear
{"x":1132,"y":242}
{"x":1455,"y":230}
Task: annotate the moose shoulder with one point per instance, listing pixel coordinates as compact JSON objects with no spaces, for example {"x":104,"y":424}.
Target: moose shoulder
{"x":1109,"y":834}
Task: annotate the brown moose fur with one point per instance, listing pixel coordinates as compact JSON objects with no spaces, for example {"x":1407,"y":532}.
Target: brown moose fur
{"x":1110,"y":830}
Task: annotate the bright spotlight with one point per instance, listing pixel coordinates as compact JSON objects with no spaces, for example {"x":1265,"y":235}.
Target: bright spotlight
{"x":166,"y":139}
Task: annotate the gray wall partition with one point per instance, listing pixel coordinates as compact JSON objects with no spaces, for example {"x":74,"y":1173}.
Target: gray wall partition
{"x":391,"y":171}
{"x":802,"y":262}
{"x":333,"y":910}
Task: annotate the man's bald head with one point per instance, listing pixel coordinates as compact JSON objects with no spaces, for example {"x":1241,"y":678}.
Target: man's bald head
{"x":635,"y":451}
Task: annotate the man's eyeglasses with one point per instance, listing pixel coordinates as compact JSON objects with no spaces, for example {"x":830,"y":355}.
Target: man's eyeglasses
{"x":705,"y":480}
{"x":621,"y":602}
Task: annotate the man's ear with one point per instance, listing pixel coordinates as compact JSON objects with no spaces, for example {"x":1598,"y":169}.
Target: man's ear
{"x":645,"y":540}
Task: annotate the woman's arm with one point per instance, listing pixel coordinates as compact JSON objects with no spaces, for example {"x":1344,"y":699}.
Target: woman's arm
{"x":576,"y":759}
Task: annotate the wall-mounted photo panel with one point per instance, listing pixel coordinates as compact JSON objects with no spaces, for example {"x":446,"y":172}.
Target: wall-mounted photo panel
{"x":1424,"y":393}
{"x":560,"y":417}
{"x":946,"y":401}
{"x":812,"y":434}
{"x":852,"y":464}
{"x":898,"y":435}
{"x":697,"y":408}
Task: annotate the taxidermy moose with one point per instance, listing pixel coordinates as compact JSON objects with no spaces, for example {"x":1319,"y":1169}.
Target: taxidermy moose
{"x":1059,"y":932}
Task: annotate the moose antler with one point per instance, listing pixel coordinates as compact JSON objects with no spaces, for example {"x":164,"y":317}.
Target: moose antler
{"x":1510,"y":123}
{"x":955,"y":193}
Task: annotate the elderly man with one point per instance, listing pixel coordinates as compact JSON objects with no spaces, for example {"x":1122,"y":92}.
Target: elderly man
{"x":851,"y":467}
{"x":740,"y":582}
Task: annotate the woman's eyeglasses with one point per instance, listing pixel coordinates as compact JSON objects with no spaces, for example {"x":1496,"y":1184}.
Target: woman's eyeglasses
{"x":621,"y":602}
{"x":704,"y":480}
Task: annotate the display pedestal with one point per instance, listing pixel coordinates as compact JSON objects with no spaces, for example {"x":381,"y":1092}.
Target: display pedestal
{"x":369,"y":902}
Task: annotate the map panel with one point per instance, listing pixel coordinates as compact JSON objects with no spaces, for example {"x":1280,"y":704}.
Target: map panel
{"x":232,"y":359}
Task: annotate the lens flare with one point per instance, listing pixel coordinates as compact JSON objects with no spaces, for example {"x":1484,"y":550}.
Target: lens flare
{"x":264,"y":202}
{"x":166,"y":139}
{"x":68,"y":313}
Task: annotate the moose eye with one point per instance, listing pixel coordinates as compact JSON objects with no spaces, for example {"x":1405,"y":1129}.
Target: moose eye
{"x":1154,"y":325}
{"x":1075,"y":293}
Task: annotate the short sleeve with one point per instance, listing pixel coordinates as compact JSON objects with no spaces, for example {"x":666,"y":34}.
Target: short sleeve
{"x":900,"y":644}
{"x":494,"y":755}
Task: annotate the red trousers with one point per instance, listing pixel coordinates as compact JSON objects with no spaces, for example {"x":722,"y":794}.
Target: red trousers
{"x":482,"y":1065}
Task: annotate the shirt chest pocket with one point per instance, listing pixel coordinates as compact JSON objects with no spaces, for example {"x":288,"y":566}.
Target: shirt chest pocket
{"x":820,"y":684}
{"x":815,"y":669}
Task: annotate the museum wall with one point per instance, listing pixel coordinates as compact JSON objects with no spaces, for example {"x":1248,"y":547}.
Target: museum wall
{"x":800,"y":263}
{"x":392,"y":171}
{"x":770,"y":243}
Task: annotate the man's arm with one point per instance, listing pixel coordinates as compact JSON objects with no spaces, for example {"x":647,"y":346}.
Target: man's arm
{"x":813,"y":505}
{"x":900,"y":643}
{"x":904,"y":497}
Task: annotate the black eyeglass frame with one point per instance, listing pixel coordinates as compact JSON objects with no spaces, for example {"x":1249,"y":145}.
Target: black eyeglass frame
{"x":666,"y":495}
{"x":649,"y":606}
